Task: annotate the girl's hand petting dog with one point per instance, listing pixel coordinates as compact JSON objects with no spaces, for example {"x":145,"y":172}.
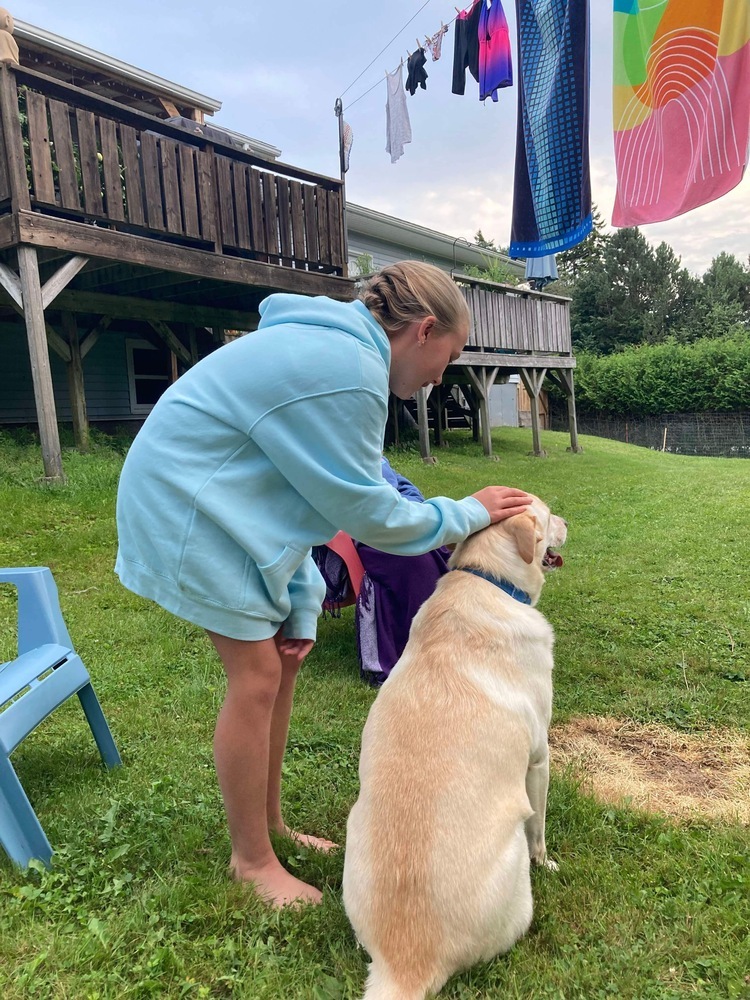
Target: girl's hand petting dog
{"x":503,"y":501}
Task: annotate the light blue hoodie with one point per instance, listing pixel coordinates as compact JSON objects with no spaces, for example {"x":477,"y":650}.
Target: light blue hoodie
{"x":263,"y":449}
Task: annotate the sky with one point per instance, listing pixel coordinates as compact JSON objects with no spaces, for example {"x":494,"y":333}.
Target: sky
{"x":278,"y":68}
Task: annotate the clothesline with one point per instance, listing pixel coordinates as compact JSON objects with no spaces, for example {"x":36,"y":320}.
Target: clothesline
{"x":378,"y":82}
{"x":387,"y":46}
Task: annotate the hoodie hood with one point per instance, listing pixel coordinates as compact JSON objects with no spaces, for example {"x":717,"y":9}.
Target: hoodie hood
{"x":352,"y":317}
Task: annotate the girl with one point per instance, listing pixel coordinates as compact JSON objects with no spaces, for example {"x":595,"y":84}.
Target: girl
{"x":260,"y":451}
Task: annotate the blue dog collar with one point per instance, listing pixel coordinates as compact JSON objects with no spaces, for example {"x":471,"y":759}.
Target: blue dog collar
{"x":504,"y":585}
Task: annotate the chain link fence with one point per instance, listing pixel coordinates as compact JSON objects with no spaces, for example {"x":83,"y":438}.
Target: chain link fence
{"x":720,"y":435}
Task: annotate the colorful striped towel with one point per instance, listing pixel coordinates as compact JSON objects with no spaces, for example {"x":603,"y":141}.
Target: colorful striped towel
{"x":681,"y":104}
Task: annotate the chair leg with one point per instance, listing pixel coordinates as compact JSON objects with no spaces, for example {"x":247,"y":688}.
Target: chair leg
{"x":99,"y":726}
{"x":21,"y":833}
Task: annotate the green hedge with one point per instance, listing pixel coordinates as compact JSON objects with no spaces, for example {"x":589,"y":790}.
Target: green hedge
{"x":667,"y":378}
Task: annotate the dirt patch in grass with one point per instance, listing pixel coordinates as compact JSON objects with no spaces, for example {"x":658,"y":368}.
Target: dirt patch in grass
{"x":658,"y":769}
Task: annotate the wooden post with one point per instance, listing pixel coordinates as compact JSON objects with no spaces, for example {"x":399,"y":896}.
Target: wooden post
{"x":395,"y":408}
{"x":76,"y":387}
{"x":424,"y":427}
{"x":483,"y":380}
{"x":438,"y":404}
{"x":567,"y":380}
{"x":13,"y":141}
{"x":471,"y":398}
{"x":41,"y":372}
{"x":532,"y":379}
{"x":193,"y":338}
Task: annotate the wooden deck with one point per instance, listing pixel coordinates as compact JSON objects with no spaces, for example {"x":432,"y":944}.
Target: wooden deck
{"x":532,"y":328}
{"x":513,"y":330}
{"x":107,"y":212}
{"x":77,"y":158}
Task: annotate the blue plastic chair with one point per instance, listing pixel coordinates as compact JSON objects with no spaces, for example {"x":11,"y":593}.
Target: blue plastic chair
{"x":46,"y":673}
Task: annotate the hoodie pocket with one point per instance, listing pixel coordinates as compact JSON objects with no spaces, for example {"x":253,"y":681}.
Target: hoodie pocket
{"x":213,"y":568}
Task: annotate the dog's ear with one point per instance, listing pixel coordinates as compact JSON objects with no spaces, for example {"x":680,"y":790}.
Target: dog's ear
{"x":522,"y":529}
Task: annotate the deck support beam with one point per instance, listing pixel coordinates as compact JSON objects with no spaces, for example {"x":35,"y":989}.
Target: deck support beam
{"x":172,"y":341}
{"x":30,"y":298}
{"x":76,"y":387}
{"x":41,"y":373}
{"x":482,"y":380}
{"x":424,"y":427}
{"x":564,"y":379}
{"x":533,"y":378}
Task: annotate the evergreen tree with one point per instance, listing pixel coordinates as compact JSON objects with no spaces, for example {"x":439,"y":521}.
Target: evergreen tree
{"x":571,"y":264}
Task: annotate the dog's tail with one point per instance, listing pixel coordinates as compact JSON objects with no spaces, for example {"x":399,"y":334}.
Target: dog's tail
{"x":382,"y":986}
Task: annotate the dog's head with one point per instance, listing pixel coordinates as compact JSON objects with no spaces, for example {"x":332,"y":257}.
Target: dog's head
{"x":520,"y":549}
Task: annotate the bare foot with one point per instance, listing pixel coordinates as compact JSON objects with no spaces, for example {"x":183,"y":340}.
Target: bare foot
{"x":276,"y":885}
{"x":316,"y":843}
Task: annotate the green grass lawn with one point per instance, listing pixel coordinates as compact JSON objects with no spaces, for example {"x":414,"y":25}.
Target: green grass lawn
{"x":651,"y":614}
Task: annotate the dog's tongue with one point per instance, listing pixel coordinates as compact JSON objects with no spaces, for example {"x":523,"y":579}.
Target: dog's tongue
{"x":552,"y":558}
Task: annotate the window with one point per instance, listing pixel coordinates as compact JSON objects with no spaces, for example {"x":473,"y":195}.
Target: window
{"x":149,"y":373}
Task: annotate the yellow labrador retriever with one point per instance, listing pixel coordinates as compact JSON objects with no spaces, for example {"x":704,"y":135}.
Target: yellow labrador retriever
{"x":454,"y":769}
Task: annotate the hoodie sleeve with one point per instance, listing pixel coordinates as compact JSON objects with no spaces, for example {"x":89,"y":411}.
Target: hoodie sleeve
{"x":307,"y":591}
{"x":328,"y":448}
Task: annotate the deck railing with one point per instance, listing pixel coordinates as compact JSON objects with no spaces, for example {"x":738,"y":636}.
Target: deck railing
{"x":89,"y":159}
{"x":508,"y":319}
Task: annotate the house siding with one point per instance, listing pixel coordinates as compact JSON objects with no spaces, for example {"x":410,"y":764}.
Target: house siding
{"x":383,"y":253}
{"x":105,"y":375}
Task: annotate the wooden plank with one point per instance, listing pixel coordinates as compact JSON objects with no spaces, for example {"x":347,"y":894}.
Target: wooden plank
{"x":321,"y":201}
{"x":131,"y":167}
{"x":41,"y":371}
{"x":311,"y":225}
{"x":87,"y":151}
{"x":151,"y":181}
{"x":170,"y":185}
{"x":189,"y":190}
{"x":256,"y":211}
{"x":13,"y":140}
{"x":77,"y":237}
{"x":61,"y":279}
{"x":513,"y":362}
{"x":270,"y":219}
{"x":207,"y":195}
{"x":42,"y":183}
{"x":226,"y":201}
{"x":93,"y":335}
{"x":242,"y":213}
{"x":423,"y":422}
{"x":298,"y":219}
{"x":284,"y":216}
{"x":111,"y":166}
{"x":8,"y":230}
{"x":76,"y":388}
{"x":56,"y":342}
{"x":67,"y":175}
{"x":10,"y":281}
{"x":4,"y":176}
{"x":171,"y":340}
{"x":335,"y":216}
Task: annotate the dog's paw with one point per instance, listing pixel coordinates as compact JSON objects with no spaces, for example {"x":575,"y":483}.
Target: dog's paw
{"x":543,"y":860}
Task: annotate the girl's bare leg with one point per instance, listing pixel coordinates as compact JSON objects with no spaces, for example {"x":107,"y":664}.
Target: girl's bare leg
{"x":242,"y":753}
{"x":282,"y":711}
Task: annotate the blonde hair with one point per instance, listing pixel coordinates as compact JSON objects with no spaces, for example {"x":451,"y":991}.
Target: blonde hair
{"x":411,"y":290}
